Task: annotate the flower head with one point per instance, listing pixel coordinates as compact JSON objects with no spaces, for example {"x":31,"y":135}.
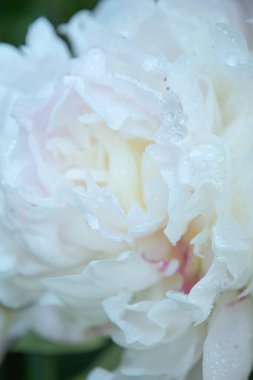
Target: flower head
{"x":126,"y":184}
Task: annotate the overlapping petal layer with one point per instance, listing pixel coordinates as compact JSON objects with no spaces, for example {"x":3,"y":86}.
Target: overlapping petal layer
{"x":126,"y":185}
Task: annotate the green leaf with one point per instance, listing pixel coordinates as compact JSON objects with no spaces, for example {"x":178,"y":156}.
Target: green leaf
{"x":108,"y":359}
{"x":33,"y":343}
{"x":40,"y":367}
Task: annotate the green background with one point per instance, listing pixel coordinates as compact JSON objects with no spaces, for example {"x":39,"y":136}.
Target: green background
{"x":16,"y":15}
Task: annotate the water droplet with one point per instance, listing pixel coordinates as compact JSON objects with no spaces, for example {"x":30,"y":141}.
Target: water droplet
{"x":150,"y":64}
{"x":223,"y":28}
{"x":92,"y":221}
{"x":95,"y":54}
{"x":95,"y":61}
{"x":182,"y":118}
{"x":178,"y":133}
{"x":176,"y":138}
{"x":232,"y":59}
{"x":170,"y":116}
{"x":233,"y":39}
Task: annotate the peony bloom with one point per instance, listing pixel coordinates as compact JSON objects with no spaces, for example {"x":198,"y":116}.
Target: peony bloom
{"x":126,"y":185}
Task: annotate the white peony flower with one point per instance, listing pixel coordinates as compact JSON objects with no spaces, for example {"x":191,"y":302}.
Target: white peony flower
{"x":126,"y":185}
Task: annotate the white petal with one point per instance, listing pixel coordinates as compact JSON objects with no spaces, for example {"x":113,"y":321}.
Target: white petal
{"x":44,"y":57}
{"x":228,"y":349}
{"x":173,"y":360}
{"x":100,"y":374}
{"x":103,"y":278}
{"x":43,"y":42}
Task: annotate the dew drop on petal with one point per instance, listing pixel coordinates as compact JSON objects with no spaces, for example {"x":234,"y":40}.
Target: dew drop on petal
{"x":170,"y":116}
{"x":150,"y":64}
{"x":232,"y":59}
{"x":177,"y":137}
{"x":182,"y":119}
{"x":233,"y":39}
{"x":92,"y":221}
{"x":178,"y":133}
{"x":222,"y":28}
{"x":95,"y":61}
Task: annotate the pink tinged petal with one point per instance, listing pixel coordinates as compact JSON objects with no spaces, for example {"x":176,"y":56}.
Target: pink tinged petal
{"x":164,"y":266}
{"x":228,"y":349}
{"x":202,"y":296}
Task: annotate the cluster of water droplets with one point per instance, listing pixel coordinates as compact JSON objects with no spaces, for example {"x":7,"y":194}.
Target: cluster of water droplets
{"x":230,"y":44}
{"x":173,"y":127}
{"x":204,"y":165}
{"x":94,"y":62}
{"x":151,"y":63}
{"x":92,"y":221}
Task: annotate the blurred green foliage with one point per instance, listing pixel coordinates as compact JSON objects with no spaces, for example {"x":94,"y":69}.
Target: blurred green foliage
{"x":34,"y":343}
{"x":67,"y":366}
{"x":16,"y":15}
